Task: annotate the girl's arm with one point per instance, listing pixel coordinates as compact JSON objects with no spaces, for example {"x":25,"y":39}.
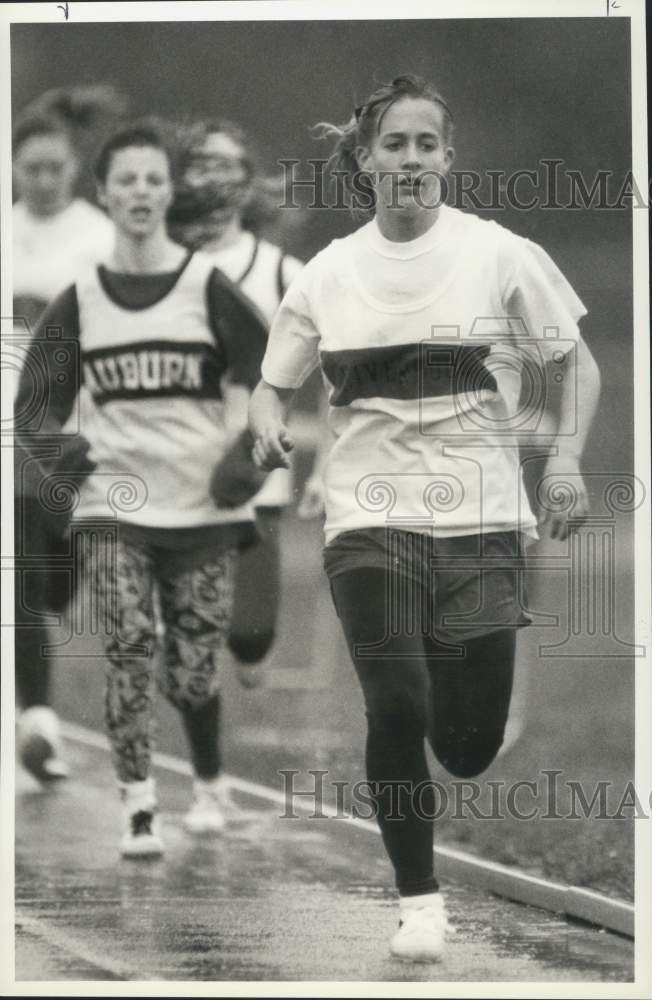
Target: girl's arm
{"x":46,"y":394}
{"x":292,"y":354}
{"x":48,"y":387}
{"x":50,"y":376}
{"x":268,"y":412}
{"x":312,"y":501}
{"x":578,"y":404}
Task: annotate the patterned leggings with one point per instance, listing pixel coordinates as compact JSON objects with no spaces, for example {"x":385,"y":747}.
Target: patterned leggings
{"x":194,"y":592}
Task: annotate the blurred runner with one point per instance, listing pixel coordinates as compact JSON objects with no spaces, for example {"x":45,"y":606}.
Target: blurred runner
{"x":426,"y":514}
{"x":164,"y":481}
{"x":55,"y":235}
{"x":221,"y":206}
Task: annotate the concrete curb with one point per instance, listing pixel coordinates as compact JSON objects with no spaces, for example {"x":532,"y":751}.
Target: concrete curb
{"x":581,"y":904}
{"x":511,"y":883}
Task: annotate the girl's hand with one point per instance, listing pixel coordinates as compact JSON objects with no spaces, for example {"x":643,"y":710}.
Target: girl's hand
{"x":312,"y":500}
{"x":271,"y":448}
{"x":564,"y":495}
{"x":235,"y":480}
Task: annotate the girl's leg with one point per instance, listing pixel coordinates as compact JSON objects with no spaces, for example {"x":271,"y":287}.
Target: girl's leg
{"x":395,"y":686}
{"x":31,"y":599}
{"x":122,"y":580}
{"x":470,"y":702}
{"x":196,"y":605}
{"x":257,"y":592}
{"x":202,"y":728}
{"x":38,"y":726}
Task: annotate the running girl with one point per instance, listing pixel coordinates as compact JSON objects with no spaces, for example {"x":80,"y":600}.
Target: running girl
{"x":55,"y":235}
{"x":425,"y":507}
{"x":221,"y":205}
{"x":160,"y":331}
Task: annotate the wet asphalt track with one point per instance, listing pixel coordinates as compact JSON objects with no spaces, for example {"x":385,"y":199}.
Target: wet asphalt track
{"x":272,"y":899}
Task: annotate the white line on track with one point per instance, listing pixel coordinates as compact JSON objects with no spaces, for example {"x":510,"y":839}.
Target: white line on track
{"x":80,"y":734}
{"x":617,"y":915}
{"x":63,"y":941}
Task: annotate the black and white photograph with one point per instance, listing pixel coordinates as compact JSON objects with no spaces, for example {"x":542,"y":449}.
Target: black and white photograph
{"x":325,"y":506}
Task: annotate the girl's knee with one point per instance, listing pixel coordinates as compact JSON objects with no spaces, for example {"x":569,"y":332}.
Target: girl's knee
{"x":190,"y":675}
{"x":253,"y":647}
{"x":468,"y":753}
{"x":191,"y":694}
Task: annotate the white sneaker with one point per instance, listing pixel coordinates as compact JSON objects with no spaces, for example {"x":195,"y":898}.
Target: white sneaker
{"x":250,"y":675}
{"x":38,"y":744}
{"x":206,"y":812}
{"x":421,"y":936}
{"x":141,"y":837}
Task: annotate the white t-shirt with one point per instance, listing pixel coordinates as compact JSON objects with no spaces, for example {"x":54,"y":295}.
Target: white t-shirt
{"x":50,"y":252}
{"x":263,"y":272}
{"x":423,"y":347}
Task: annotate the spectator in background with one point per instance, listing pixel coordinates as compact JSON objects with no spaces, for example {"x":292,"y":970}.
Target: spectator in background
{"x":55,"y":233}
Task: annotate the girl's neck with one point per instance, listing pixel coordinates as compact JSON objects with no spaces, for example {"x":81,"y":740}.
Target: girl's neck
{"x":402,"y":227}
{"x":152,"y":254}
{"x":47,"y":216}
{"x":225,"y":236}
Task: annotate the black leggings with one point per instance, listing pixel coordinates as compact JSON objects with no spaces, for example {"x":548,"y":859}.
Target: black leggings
{"x":413,"y":691}
{"x":257,"y":591}
{"x":42,"y":587}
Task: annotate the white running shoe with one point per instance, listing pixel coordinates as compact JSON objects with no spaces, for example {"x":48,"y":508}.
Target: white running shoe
{"x":38,"y":744}
{"x":206,"y":814}
{"x":421,"y":935}
{"x":141,"y":837}
{"x":250,"y":675}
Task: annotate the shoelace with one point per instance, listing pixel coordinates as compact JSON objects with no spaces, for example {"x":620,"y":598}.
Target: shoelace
{"x":141,"y":823}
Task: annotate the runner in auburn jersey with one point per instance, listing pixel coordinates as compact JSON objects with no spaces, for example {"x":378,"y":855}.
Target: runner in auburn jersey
{"x":220,"y":210}
{"x":424,"y":322}
{"x":164,"y":482}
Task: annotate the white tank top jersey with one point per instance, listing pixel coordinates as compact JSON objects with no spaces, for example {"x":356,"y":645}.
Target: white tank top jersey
{"x":49,"y":253}
{"x":156,"y":422}
{"x":263,"y":272}
{"x":261,"y":269}
{"x":423,"y":347}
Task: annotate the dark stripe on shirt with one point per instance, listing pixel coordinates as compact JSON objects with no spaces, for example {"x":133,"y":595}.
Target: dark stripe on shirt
{"x":406,"y":371}
{"x":154,"y":368}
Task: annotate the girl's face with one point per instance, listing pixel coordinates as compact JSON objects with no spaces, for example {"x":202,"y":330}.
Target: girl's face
{"x":138,"y":190}
{"x":218,"y":161}
{"x":217,"y":165}
{"x":408,"y":156}
{"x":45,"y":170}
